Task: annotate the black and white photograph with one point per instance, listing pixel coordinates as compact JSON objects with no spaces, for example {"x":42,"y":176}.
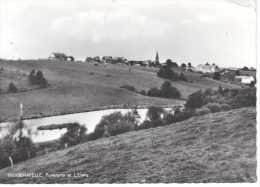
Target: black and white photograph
{"x":128,"y":91}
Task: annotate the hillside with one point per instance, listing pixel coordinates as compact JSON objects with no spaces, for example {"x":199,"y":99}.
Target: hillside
{"x":76,"y":87}
{"x":219,"y":147}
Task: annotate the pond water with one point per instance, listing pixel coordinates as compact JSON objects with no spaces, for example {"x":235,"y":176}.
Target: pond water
{"x":88,"y":119}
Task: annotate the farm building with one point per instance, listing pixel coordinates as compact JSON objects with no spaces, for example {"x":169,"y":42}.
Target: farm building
{"x":58,"y":56}
{"x":207,"y":68}
{"x":245,"y":79}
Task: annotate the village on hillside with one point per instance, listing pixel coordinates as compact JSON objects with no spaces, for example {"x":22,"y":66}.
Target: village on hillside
{"x":128,"y":92}
{"x":243,"y":75}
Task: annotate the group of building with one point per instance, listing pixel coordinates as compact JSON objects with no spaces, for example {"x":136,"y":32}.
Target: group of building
{"x":229,"y":74}
{"x":106,"y":59}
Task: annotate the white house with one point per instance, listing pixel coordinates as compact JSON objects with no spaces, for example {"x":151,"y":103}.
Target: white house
{"x":207,"y":68}
{"x":245,"y":79}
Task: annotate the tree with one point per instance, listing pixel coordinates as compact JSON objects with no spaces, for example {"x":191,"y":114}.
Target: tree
{"x":167,"y":73}
{"x":189,"y":65}
{"x":245,"y":68}
{"x":131,"y":63}
{"x":115,"y":123}
{"x":183,"y":66}
{"x":154,"y":92}
{"x":39,"y":79}
{"x":168,"y":91}
{"x":7,"y":148}
{"x":182,"y":77}
{"x":16,"y":146}
{"x":12,"y":88}
{"x":217,"y":76}
{"x":195,"y":100}
{"x":154,"y":113}
{"x":31,"y":77}
{"x":171,"y":64}
{"x":75,"y":133}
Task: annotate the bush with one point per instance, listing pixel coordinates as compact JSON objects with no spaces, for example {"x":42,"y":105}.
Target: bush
{"x":245,"y":97}
{"x":167,"y":73}
{"x":168,"y":91}
{"x":115,"y":123}
{"x":121,"y":127}
{"x":15,"y":147}
{"x":168,"y":118}
{"x":182,"y":115}
{"x":154,"y":92}
{"x":74,"y":135}
{"x":40,"y":80}
{"x":208,"y":92}
{"x":182,"y":77}
{"x":216,"y":76}
{"x":202,"y":111}
{"x":145,"y":125}
{"x":12,"y":88}
{"x":128,"y":87}
{"x":142,"y":92}
{"x":195,"y":100}
{"x":214,"y":107}
{"x":225,"y":107}
{"x":37,"y":78}
{"x":31,"y":77}
{"x":154,"y":113}
{"x":171,"y":64}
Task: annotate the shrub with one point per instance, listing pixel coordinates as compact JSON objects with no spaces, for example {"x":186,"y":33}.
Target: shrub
{"x":145,"y":125}
{"x":171,"y":64}
{"x":154,"y":113}
{"x":182,"y":115}
{"x":225,"y":107}
{"x":40,"y":80}
{"x":142,"y":92}
{"x":214,"y":107}
{"x":12,"y":88}
{"x":121,"y":127}
{"x":195,"y":100}
{"x":154,"y":92}
{"x":167,"y":73}
{"x":37,"y":78}
{"x":216,"y":76}
{"x":208,"y":92}
{"x":245,"y":97}
{"x":202,"y":111}
{"x":128,"y":87}
{"x":168,"y":91}
{"x":114,"y":124}
{"x":74,"y":135}
{"x":182,"y":77}
{"x":15,"y":147}
{"x":168,"y":118}
{"x":221,"y":90}
{"x":31,"y":77}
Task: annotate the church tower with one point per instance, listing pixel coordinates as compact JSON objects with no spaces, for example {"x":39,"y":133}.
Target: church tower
{"x":157,"y":62}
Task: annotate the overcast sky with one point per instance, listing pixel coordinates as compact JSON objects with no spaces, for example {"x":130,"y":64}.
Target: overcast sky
{"x":196,"y":31}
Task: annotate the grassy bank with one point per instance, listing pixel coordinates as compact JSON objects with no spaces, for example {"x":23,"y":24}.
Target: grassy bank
{"x":219,"y":147}
{"x":78,"y":87}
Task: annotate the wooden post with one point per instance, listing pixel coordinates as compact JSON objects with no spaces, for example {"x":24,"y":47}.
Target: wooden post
{"x":11,"y":161}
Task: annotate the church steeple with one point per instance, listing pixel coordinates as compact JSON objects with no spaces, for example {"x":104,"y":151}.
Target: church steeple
{"x":157,"y":62}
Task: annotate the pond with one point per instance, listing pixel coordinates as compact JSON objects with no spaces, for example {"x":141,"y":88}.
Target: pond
{"x":88,"y":119}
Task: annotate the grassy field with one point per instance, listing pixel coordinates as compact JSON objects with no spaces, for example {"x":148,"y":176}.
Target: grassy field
{"x":219,"y":147}
{"x":76,"y":87}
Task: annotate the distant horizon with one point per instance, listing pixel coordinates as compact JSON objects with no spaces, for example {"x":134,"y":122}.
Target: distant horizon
{"x":161,"y":62}
{"x":215,"y":31}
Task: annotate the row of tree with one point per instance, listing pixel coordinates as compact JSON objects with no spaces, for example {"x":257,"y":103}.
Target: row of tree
{"x":37,"y":78}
